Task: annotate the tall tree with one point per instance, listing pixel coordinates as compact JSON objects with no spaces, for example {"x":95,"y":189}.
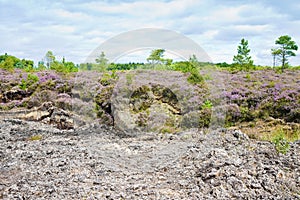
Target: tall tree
{"x":243,"y":58}
{"x":286,"y":49}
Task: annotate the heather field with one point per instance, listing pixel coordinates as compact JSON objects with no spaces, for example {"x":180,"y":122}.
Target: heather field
{"x":263,"y":103}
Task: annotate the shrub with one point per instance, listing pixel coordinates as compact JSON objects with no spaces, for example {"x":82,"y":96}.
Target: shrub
{"x":207,"y":77}
{"x":207,"y":104}
{"x":108,"y":79}
{"x":195,"y":78}
{"x":31,"y":79}
{"x":168,"y":129}
{"x":205,"y":117}
{"x":281,"y":143}
{"x":129,"y":77}
{"x":248,"y":77}
{"x":23,"y":85}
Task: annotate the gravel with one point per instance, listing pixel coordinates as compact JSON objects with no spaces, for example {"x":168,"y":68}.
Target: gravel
{"x":39,"y":161}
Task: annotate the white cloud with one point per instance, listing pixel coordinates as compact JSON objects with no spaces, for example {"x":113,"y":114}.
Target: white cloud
{"x":225,"y":14}
{"x":74,"y":28}
{"x":149,"y":9}
{"x":62,"y":28}
{"x":72,"y":15}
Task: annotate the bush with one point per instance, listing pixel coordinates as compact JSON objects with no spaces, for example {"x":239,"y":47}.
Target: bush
{"x":281,"y":143}
{"x":295,"y":68}
{"x":31,"y":79}
{"x":195,"y":78}
{"x":207,"y":104}
{"x":108,"y":79}
{"x":205,"y":117}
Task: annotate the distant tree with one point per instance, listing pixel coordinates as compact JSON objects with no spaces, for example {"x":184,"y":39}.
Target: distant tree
{"x":63,"y":66}
{"x":89,"y":66}
{"x":223,"y":64}
{"x":275,"y":53}
{"x":27,"y":65}
{"x":194,"y":61}
{"x":3,"y":57}
{"x":41,"y":66}
{"x":10,"y":62}
{"x":243,"y":58}
{"x":167,"y":61}
{"x":69,"y":67}
{"x":49,"y":58}
{"x":102,"y":61}
{"x":7,"y":64}
{"x":59,"y":66}
{"x":286,"y":49}
{"x":156,"y":56}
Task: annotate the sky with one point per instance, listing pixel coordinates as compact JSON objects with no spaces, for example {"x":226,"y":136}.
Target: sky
{"x":75,"y":28}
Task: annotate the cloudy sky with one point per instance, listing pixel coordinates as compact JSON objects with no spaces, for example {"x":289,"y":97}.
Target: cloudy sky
{"x":74,"y":28}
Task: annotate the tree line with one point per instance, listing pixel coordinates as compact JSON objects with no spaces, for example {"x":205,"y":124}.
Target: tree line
{"x":286,"y":48}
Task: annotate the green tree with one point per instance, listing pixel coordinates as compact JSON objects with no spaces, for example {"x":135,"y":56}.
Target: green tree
{"x":70,"y":67}
{"x":59,"y":66}
{"x":156,"y":56}
{"x":63,"y":66}
{"x":102,"y":61}
{"x":286,"y":49}
{"x":167,"y":61}
{"x":7,"y":64}
{"x":3,"y":57}
{"x":243,"y":58}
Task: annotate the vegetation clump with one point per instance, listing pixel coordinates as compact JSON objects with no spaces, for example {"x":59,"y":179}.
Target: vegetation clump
{"x":35,"y":138}
{"x":31,"y":80}
{"x":281,"y":143}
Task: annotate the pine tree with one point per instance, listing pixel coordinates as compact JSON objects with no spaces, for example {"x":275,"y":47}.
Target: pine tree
{"x":243,"y":59}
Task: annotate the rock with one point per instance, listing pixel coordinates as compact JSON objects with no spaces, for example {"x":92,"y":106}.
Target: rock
{"x":93,"y":162}
{"x":240,"y":135}
{"x":147,"y":107}
{"x":47,"y":113}
{"x":15,"y":94}
{"x":62,"y":119}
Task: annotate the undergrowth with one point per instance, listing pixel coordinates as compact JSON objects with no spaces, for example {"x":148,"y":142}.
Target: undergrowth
{"x":281,"y":138}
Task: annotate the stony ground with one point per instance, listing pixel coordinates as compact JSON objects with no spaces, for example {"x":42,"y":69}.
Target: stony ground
{"x":41,"y":162}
